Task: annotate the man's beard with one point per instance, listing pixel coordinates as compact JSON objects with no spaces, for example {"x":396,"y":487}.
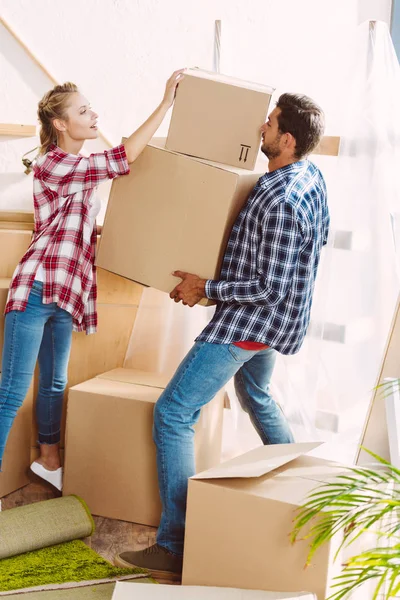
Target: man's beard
{"x":272,"y":150}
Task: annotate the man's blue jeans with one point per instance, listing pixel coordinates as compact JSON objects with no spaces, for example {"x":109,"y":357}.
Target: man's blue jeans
{"x":42,"y":332}
{"x":203,"y":372}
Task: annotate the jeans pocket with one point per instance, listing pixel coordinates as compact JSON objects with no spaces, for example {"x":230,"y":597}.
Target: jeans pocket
{"x":37,"y":289}
{"x":240,"y":354}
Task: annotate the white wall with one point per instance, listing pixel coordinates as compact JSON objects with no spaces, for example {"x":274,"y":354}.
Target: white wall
{"x":120,"y":52}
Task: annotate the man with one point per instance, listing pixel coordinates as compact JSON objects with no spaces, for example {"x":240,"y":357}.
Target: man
{"x":263,"y":307}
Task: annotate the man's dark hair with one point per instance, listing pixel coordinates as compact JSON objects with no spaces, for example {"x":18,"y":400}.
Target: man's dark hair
{"x":304,"y":119}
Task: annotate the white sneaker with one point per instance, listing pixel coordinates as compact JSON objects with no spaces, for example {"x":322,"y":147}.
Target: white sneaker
{"x":53,"y":477}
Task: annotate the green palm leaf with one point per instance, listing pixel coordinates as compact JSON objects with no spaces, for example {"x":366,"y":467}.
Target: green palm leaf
{"x":360,"y":500}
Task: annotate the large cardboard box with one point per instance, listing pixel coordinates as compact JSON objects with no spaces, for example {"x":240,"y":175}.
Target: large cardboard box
{"x":172,"y":212}
{"x":219,"y":118}
{"x":239,"y":520}
{"x":110,"y":454}
{"x":129,"y":591}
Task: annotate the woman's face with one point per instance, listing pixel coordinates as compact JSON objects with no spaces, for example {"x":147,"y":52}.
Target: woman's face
{"x":81,"y":123}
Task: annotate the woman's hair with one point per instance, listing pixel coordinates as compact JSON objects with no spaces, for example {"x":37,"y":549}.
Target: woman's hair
{"x":52,"y":106}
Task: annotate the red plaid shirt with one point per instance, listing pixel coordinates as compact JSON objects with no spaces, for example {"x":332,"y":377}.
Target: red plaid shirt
{"x":63,"y":191}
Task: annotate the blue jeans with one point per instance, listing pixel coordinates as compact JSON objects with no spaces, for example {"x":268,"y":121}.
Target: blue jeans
{"x":203,"y":372}
{"x":42,"y":332}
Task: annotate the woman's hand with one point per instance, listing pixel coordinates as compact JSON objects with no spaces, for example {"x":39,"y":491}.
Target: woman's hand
{"x":170,"y":88}
{"x":139,"y":139}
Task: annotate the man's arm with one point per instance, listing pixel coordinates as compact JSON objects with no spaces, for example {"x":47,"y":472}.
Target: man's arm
{"x":278,"y":255}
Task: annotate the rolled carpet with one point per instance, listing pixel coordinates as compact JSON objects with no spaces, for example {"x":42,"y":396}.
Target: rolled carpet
{"x":43,"y":524}
{"x":40,"y":548}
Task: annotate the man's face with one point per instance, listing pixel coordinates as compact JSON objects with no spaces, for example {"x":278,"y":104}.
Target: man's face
{"x":271,"y":135}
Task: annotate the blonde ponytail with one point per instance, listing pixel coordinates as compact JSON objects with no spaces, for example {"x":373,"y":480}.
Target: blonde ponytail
{"x":52,"y":106}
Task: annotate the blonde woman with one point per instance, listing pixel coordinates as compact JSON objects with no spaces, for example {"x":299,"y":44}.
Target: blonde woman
{"x":53,"y":289}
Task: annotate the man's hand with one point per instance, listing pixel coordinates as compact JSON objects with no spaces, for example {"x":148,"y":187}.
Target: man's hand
{"x":191,"y":289}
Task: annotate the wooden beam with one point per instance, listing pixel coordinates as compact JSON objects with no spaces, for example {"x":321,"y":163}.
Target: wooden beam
{"x":17,"y":130}
{"x":42,"y":67}
{"x":328,"y":146}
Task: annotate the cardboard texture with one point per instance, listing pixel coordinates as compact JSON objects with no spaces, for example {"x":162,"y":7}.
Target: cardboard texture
{"x":125,"y":591}
{"x":17,"y":454}
{"x":218,"y":118}
{"x":13,"y":245}
{"x":109,"y":423}
{"x":172,"y":212}
{"x":240,"y":516}
{"x":16,"y":458}
{"x":4,"y":285}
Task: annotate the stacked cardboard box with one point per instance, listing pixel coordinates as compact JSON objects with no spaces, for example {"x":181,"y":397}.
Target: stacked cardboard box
{"x":176,"y":209}
{"x":109,"y":426}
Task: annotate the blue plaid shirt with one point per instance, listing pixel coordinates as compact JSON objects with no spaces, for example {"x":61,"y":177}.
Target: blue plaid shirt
{"x":270,"y":264}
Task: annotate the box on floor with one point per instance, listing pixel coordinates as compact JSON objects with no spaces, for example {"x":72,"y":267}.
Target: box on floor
{"x":110,"y":458}
{"x":218,"y":118}
{"x":126,"y":591}
{"x":172,"y":212}
{"x":240,"y":516}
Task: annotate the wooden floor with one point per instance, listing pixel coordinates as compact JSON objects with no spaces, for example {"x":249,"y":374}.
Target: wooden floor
{"x":110,"y":537}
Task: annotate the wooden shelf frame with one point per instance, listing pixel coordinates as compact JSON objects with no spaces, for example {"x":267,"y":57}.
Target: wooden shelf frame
{"x":17,"y":130}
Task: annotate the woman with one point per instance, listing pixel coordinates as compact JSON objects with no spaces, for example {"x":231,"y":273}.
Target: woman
{"x":53,"y":289}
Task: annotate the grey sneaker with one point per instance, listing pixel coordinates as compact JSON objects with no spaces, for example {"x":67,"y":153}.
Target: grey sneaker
{"x":158,"y":560}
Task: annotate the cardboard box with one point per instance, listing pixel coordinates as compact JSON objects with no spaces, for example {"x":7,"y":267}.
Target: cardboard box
{"x":172,"y":212}
{"x":239,"y":520}
{"x":13,"y":245}
{"x":16,"y":458}
{"x":219,"y":118}
{"x":110,"y":453}
{"x":129,"y":591}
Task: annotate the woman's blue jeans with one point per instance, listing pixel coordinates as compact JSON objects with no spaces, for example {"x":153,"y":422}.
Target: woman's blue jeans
{"x":42,"y":332}
{"x":204,"y":371}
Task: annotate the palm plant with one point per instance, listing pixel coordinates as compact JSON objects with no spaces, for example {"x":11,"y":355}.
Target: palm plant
{"x":359,"y":501}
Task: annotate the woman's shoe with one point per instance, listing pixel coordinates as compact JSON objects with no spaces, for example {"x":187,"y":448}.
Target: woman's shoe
{"x":53,"y":477}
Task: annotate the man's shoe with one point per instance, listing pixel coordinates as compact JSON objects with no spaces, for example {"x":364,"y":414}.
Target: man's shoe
{"x":158,"y":560}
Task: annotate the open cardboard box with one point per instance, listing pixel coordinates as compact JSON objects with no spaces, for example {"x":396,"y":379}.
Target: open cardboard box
{"x":240,"y":516}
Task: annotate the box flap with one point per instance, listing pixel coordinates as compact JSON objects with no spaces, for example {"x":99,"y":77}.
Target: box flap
{"x":137,"y":377}
{"x":313,"y":468}
{"x":129,"y":591}
{"x":258,"y":462}
{"x":258,"y":87}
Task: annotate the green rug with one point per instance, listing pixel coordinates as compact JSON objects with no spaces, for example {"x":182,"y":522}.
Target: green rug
{"x":71,"y":561}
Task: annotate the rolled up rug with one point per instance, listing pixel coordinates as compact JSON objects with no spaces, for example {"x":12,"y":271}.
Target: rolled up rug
{"x":43,"y":524}
{"x":41,"y":549}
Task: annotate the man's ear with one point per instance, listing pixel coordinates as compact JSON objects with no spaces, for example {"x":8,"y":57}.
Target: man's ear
{"x":290,"y":142}
{"x":59,"y":124}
